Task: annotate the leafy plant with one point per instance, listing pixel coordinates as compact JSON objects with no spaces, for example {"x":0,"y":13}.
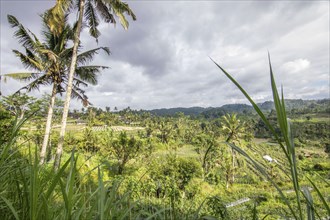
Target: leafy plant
{"x":286,"y":143}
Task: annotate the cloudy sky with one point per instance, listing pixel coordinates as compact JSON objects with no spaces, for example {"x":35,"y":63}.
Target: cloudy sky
{"x":163,"y":59}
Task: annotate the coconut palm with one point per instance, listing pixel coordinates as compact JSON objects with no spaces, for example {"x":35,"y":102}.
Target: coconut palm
{"x":90,"y":11}
{"x":233,"y":129}
{"x":49,"y":61}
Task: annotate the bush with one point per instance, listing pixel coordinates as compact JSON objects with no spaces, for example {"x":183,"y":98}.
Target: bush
{"x":6,"y":125}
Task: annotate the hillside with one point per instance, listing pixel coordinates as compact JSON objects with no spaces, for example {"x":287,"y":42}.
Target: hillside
{"x":193,"y":111}
{"x":296,"y":105}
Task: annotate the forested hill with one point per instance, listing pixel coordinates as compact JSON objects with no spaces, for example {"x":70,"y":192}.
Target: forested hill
{"x":193,"y":111}
{"x":299,"y":104}
{"x":296,"y":105}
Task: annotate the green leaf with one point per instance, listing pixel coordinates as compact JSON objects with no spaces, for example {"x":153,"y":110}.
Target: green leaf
{"x":10,"y":206}
{"x":320,"y":196}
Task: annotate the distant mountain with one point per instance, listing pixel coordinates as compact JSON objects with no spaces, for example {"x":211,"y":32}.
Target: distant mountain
{"x":229,"y":108}
{"x":297,"y":104}
{"x":214,"y":112}
{"x":266,"y":106}
{"x":193,"y":111}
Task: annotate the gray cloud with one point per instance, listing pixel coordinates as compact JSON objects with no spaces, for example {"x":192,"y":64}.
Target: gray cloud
{"x":162,"y":60}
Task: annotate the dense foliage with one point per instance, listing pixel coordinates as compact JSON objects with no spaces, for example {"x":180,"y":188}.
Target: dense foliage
{"x":233,"y":162}
{"x":162,"y":166}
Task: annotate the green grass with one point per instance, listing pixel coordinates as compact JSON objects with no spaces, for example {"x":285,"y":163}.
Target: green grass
{"x":312,"y":120}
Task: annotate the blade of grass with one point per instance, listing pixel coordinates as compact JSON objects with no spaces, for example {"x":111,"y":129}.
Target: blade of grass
{"x":66,"y":200}
{"x":33,"y":185}
{"x":84,"y":205}
{"x":10,"y":206}
{"x":54,"y":182}
{"x":255,"y":106}
{"x":320,"y":195}
{"x":101,"y":195}
{"x":264,"y":173}
{"x":286,"y":131}
{"x":309,"y":204}
{"x":156,"y":214}
{"x":70,"y":181}
{"x":196,"y":216}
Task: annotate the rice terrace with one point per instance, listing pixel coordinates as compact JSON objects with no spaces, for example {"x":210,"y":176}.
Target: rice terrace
{"x":164,"y":110}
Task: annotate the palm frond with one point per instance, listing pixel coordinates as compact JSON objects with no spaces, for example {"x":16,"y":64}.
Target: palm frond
{"x":28,"y":62}
{"x":23,"y":76}
{"x":77,"y":82}
{"x":88,"y":56}
{"x":34,"y":85}
{"x":104,"y":12}
{"x":66,"y":55}
{"x":30,"y":54}
{"x":80,"y":94}
{"x":51,"y":55}
{"x":55,"y":17}
{"x":60,"y":89}
{"x":88,"y":73}
{"x":21,"y":33}
{"x":92,"y":20}
{"x":119,"y":8}
{"x":92,"y":69}
{"x":63,"y":39}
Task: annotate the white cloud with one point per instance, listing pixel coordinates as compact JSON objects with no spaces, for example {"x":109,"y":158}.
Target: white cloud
{"x":296,"y":66}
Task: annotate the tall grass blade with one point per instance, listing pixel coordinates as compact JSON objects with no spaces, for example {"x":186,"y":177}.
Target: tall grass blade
{"x":66,"y":200}
{"x":264,"y":173}
{"x":196,"y":215}
{"x":101,"y":195}
{"x":309,"y":204}
{"x":209,"y":218}
{"x":82,"y":208}
{"x":10,"y":206}
{"x":254,"y":212}
{"x":54,"y":181}
{"x":154,"y":215}
{"x":320,"y":195}
{"x":286,"y":133}
{"x":255,"y":106}
{"x":70,"y":182}
{"x":34,"y":185}
{"x":265,"y":217}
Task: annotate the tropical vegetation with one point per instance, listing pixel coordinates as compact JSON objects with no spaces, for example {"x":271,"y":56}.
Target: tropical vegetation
{"x":260,"y":161}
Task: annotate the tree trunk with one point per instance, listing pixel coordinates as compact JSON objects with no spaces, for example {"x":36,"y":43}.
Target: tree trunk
{"x":204,"y":165}
{"x":227,"y":180}
{"x":69,"y":87}
{"x":234,"y":165}
{"x":48,"y":125}
{"x":232,"y":157}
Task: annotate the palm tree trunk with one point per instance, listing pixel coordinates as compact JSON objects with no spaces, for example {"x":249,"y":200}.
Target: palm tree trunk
{"x":234,"y":165}
{"x":48,"y":125}
{"x":204,"y":166}
{"x":232,"y":157}
{"x":69,"y":87}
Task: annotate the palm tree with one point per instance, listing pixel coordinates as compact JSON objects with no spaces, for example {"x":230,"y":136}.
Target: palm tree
{"x":233,"y":129}
{"x":87,"y":11}
{"x":49,"y":62}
